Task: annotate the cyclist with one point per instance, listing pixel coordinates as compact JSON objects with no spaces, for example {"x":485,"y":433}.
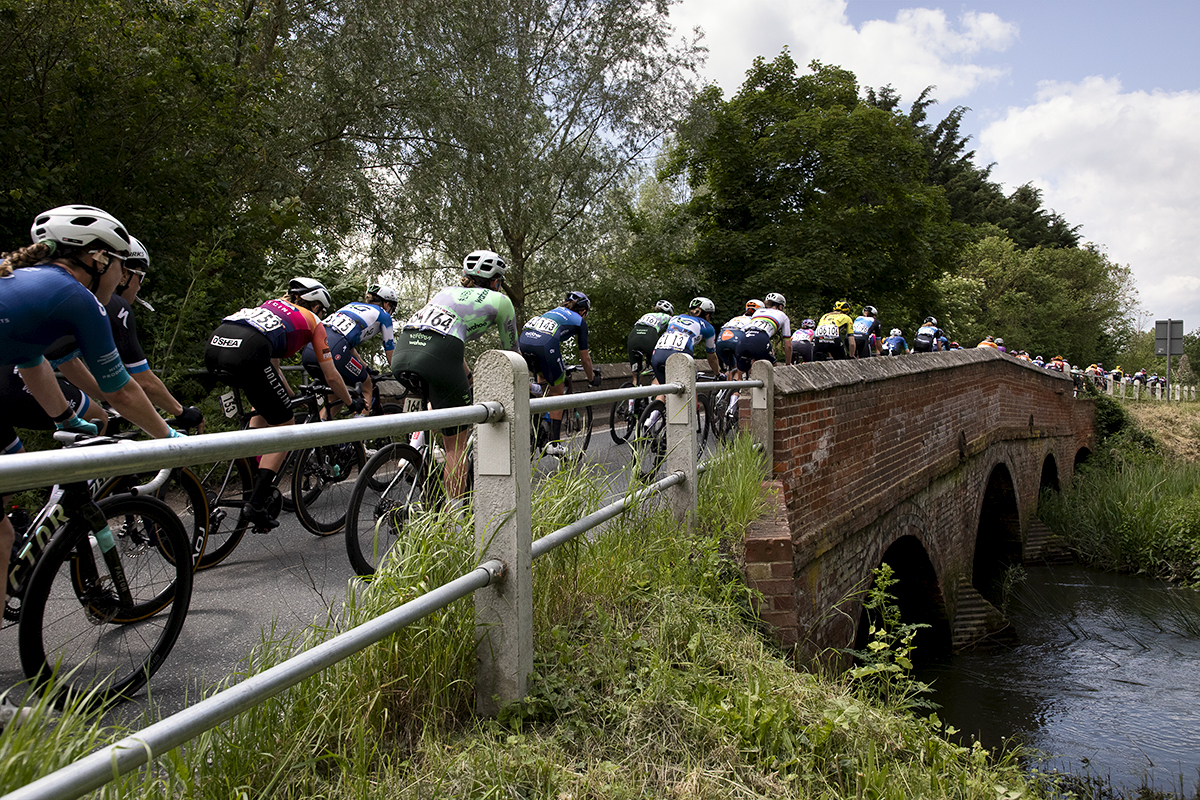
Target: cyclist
{"x":433,"y":341}
{"x":645,"y":334}
{"x":802,"y":342}
{"x":766,"y":324}
{"x":988,"y":341}
{"x":541,"y":343}
{"x":49,"y":290}
{"x":834,"y":337}
{"x":867,"y":333}
{"x":125,"y":334}
{"x":1000,"y":345}
{"x":683,"y":331}
{"x":348,"y":327}
{"x":895,"y":344}
{"x":248,"y":346}
{"x":929,"y":337}
{"x":730,"y":336}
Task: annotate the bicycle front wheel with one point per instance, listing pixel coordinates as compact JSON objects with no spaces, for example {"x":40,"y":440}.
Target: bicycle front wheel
{"x":227,"y":486}
{"x":387,"y":492}
{"x":74,"y":625}
{"x":577,"y":429}
{"x":322,"y":484}
{"x":622,"y":419}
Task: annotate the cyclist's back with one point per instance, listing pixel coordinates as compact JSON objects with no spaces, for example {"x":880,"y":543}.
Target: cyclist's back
{"x":682,"y":334}
{"x":803,"y":340}
{"x":929,"y":337}
{"x":730,"y":335}
{"x":834,"y":334}
{"x":766,"y":324}
{"x":867,"y":332}
{"x":644,"y":335}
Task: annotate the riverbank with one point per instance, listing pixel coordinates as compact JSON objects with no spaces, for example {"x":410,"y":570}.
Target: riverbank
{"x":652,"y":679}
{"x":1134,"y":506}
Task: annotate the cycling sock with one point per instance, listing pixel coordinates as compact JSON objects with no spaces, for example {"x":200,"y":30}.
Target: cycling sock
{"x":555,"y":429}
{"x":733,"y":399}
{"x":654,"y":415}
{"x":263,"y":483}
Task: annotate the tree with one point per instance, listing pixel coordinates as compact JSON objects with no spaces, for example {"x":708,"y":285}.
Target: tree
{"x":544,"y":107}
{"x":798,"y":187}
{"x":1073,"y":302}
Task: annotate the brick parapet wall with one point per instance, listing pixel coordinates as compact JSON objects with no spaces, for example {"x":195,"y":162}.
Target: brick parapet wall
{"x":770,"y":568}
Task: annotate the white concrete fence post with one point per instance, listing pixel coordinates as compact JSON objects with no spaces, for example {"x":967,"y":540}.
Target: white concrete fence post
{"x":1111,"y":384}
{"x":682,"y":445}
{"x":503,"y":530}
{"x":762,"y":411}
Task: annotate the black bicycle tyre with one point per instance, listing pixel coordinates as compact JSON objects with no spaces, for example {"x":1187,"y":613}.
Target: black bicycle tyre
{"x":69,"y":621}
{"x":387,"y":488}
{"x":651,"y":438}
{"x":227,"y":485}
{"x":577,"y":429}
{"x":321,"y":495}
{"x":621,"y":423}
{"x":703,"y":421}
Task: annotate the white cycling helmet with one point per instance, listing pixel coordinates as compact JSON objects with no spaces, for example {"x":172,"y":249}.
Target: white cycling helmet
{"x":139,"y":257}
{"x":309,"y":289}
{"x":383,"y":292}
{"x":777,"y":299}
{"x":484,"y":264}
{"x":80,"y":226}
{"x":702,"y":303}
{"x":895,"y":332}
{"x":870,"y":311}
{"x":665,"y":307}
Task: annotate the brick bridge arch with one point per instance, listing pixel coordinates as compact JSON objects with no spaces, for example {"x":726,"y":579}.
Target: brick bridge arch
{"x":930,"y":462}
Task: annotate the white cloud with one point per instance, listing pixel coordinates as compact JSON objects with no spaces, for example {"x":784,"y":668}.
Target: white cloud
{"x":919,"y":48}
{"x":1125,"y":166}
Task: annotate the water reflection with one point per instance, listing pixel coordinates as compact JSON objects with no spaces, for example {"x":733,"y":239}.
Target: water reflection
{"x":1104,"y":679}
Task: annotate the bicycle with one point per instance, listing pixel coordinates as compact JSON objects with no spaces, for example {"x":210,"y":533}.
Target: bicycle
{"x":319,"y":479}
{"x":102,"y":589}
{"x":400,"y":480}
{"x":651,"y":441}
{"x":725,"y":418}
{"x":576,"y":432}
{"x":623,"y":416}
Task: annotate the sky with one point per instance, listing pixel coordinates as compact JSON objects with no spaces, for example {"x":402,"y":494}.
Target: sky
{"x":1096,"y":103}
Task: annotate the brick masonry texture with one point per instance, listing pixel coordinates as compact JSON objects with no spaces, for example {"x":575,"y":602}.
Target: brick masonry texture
{"x":867,"y":452}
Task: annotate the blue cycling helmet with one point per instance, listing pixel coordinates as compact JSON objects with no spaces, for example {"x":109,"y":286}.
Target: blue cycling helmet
{"x":580,"y":300}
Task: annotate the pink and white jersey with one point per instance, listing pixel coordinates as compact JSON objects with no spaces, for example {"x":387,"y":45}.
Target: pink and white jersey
{"x":286,"y":326}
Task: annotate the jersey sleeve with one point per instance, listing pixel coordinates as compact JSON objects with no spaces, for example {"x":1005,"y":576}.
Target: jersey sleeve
{"x":386,"y":331}
{"x":125,"y":335}
{"x":95,"y":339}
{"x":506,"y":323}
{"x":583,"y":334}
{"x":709,"y":334}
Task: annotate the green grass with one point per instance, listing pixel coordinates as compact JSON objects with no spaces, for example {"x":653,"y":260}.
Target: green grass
{"x":652,"y":679}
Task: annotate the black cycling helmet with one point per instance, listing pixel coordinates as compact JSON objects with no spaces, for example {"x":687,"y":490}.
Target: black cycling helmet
{"x":580,"y":300}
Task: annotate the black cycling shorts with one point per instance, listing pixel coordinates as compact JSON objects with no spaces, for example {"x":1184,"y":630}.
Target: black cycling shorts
{"x":245,"y":355}
{"x":639,"y":348}
{"x":438,"y":359}
{"x":755,"y":345}
{"x":352,"y":370}
{"x":836,"y":350}
{"x":802,"y":351}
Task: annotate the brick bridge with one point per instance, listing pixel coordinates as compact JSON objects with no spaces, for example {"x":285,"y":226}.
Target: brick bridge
{"x":931,"y":463}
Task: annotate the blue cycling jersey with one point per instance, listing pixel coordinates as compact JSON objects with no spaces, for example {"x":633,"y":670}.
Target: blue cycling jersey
{"x":357,"y":322}
{"x":684,"y":330}
{"x":557,"y":324}
{"x":42,"y":305}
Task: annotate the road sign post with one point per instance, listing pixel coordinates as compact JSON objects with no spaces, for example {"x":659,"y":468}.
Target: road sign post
{"x":1168,"y":341}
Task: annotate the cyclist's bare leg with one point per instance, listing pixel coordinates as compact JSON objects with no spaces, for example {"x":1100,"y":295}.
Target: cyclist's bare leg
{"x":271,"y":461}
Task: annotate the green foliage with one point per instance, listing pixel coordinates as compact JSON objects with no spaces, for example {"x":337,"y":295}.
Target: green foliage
{"x":1073,"y":302}
{"x":799,"y":187}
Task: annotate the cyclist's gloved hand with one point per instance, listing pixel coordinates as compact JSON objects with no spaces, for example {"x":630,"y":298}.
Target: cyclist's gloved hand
{"x":174,"y":434}
{"x":595,"y":377}
{"x":190,"y":418}
{"x":76,"y":425}
{"x":357,"y":405}
{"x":721,"y":376}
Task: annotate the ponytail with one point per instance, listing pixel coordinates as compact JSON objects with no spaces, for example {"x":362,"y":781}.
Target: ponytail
{"x":27,"y":257}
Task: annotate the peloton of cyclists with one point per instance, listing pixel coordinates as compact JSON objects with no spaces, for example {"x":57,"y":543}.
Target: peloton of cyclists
{"x":541,"y":343}
{"x":248,"y":346}
{"x":730,"y":336}
{"x":432,"y":344}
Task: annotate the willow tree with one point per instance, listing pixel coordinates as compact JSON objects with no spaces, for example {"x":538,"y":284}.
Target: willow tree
{"x":542,"y":107}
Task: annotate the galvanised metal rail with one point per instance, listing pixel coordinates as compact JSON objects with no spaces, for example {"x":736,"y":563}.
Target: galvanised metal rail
{"x":502,"y":584}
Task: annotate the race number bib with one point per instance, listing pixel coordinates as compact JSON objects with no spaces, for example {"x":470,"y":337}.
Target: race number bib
{"x":229,"y":404}
{"x":259,"y":318}
{"x":763,"y":324}
{"x":544,"y":325}
{"x":828,"y":332}
{"x":412,"y":404}
{"x":862,"y":326}
{"x":433,"y":318}
{"x":342,"y":324}
{"x":673,"y":341}
{"x":649,"y":319}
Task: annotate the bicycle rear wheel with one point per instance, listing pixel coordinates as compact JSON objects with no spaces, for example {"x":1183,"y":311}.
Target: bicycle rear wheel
{"x":322,"y":484}
{"x":650,"y":443}
{"x":387,"y":492}
{"x":577,"y":430}
{"x":227,"y":486}
{"x":75,"y":627}
{"x":622,"y":418}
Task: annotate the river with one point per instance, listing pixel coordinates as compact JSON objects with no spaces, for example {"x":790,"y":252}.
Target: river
{"x":1105,"y":679}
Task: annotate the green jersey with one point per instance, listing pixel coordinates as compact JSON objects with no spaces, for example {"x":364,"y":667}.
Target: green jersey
{"x":466,"y":313}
